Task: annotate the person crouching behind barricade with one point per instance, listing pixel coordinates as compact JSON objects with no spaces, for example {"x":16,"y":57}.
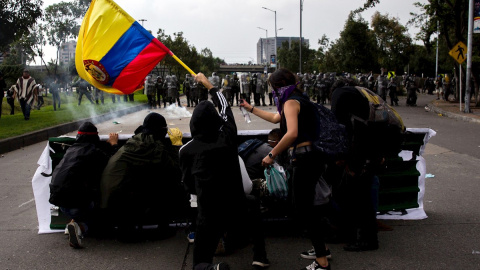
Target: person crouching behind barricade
{"x":76,"y":180}
{"x":141,"y":184}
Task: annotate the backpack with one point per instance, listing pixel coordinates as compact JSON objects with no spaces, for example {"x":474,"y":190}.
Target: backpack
{"x":383,"y":120}
{"x":247,"y":147}
{"x":331,"y":139}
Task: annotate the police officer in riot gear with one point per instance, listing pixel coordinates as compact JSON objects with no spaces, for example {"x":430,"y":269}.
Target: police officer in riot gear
{"x":392,"y":91}
{"x":161,"y":92}
{"x":381,"y":86}
{"x":412,"y":89}
{"x":151,"y":91}
{"x":227,"y":89}
{"x":187,"y":89}
{"x":235,"y":88}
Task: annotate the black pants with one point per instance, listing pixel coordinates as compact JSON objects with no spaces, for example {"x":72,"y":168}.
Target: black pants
{"x":1,"y":101}
{"x":10,"y":102}
{"x":151,"y":101}
{"x":115,"y":97}
{"x":99,"y":96}
{"x":87,"y":94}
{"x":207,"y":237}
{"x":56,"y":100}
{"x":360,"y":208}
{"x":305,"y":175}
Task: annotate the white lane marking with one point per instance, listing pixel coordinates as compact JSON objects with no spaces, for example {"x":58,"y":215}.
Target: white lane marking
{"x":26,"y":203}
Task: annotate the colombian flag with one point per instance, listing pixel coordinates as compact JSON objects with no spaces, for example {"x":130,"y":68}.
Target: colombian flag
{"x":114,"y":52}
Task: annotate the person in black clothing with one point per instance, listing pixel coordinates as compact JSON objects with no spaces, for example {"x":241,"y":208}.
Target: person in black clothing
{"x":211,"y":170}
{"x":54,"y":90}
{"x":3,"y":87}
{"x":11,"y":99}
{"x":296,"y":114}
{"x":361,"y":166}
{"x":82,"y":89}
{"x":253,"y":161}
{"x":141,"y":183}
{"x":75,"y":181}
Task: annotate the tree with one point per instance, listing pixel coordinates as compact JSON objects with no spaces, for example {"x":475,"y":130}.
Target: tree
{"x":448,"y":18}
{"x":289,"y":53}
{"x":394,"y":43}
{"x":16,"y":19}
{"x":179,"y":45}
{"x":62,"y":24}
{"x":356,"y":50}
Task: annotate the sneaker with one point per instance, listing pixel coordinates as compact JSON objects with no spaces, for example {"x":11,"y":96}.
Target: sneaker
{"x":191,"y":237}
{"x":261,"y":261}
{"x":219,"y":266}
{"x":316,"y":266}
{"x":311,"y":255}
{"x":74,"y":235}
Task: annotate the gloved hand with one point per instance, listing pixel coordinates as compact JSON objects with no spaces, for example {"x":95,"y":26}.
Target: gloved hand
{"x":175,"y":136}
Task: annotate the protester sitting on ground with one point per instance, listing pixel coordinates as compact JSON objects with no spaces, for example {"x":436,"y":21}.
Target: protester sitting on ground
{"x":296,"y":113}
{"x":75,"y":181}
{"x":141,"y":184}
{"x":211,"y":170}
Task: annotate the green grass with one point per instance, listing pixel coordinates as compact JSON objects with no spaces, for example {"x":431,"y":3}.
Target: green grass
{"x":14,"y":125}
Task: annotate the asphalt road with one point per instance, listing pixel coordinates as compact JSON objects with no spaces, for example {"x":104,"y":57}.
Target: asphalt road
{"x":448,"y":239}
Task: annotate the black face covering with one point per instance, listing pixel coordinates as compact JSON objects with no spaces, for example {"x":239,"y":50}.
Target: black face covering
{"x":87,"y":133}
{"x":154,"y":124}
{"x":205,"y":122}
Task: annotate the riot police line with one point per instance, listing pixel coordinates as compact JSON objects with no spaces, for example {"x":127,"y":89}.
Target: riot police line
{"x":253,"y":87}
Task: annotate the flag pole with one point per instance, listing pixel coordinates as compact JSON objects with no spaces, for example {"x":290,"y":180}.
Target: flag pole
{"x":183,"y":64}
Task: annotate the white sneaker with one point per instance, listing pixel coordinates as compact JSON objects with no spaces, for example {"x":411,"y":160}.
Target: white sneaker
{"x":74,"y":235}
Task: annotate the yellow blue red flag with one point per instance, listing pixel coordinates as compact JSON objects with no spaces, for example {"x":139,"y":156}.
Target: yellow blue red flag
{"x":114,"y":52}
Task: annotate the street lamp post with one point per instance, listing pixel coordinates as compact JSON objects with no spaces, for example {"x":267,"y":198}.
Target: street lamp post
{"x":274,"y":11}
{"x":301,"y":9}
{"x":264,"y":50}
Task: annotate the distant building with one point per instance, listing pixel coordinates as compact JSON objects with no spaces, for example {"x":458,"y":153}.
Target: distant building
{"x":266,"y":47}
{"x":67,"y":52}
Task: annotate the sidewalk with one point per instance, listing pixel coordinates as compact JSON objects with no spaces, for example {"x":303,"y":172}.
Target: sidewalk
{"x":452,"y":109}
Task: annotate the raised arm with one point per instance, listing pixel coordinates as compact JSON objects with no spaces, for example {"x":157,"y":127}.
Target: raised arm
{"x":267,"y":116}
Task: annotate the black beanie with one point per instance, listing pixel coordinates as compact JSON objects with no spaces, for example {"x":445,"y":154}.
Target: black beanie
{"x":87,"y":133}
{"x":154,"y":124}
{"x":88,"y":128}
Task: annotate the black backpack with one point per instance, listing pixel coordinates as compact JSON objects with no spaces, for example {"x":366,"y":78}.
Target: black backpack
{"x":331,"y":139}
{"x":247,"y":147}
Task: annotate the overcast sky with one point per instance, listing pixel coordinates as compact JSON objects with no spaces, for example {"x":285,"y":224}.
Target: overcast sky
{"x":229,"y":27}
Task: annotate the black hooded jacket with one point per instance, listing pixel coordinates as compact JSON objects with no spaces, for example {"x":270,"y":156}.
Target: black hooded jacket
{"x":209,"y":162}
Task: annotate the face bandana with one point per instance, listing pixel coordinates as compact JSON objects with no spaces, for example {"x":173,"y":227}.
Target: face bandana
{"x":281,"y":95}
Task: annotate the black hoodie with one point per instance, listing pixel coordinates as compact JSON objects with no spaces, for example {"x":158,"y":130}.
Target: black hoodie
{"x":209,"y":162}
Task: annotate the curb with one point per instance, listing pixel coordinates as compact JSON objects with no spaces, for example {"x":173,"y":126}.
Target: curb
{"x":435,"y":109}
{"x":14,"y":143}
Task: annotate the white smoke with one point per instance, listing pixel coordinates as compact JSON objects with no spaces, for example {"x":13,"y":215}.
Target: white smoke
{"x":174,"y":112}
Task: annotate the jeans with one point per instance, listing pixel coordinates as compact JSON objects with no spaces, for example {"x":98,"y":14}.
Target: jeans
{"x":25,"y":108}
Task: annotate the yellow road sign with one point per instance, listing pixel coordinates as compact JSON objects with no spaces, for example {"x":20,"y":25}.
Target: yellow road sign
{"x":459,"y":52}
{"x":391,"y":74}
